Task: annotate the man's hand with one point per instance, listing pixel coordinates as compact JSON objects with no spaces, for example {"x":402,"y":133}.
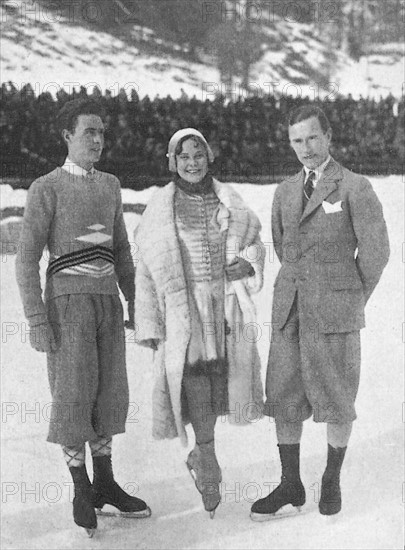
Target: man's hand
{"x":239,"y":269}
{"x":42,"y":338}
{"x":131,"y":316}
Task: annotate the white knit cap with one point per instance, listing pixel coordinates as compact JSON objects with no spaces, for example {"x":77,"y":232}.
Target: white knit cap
{"x":174,"y":140}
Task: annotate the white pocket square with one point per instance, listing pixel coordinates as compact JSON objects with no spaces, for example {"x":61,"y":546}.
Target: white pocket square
{"x":331,"y":208}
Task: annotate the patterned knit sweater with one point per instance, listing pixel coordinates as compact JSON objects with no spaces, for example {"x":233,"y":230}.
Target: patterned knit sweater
{"x":80,"y":221}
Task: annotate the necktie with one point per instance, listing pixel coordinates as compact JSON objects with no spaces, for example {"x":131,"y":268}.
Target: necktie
{"x":309,"y":185}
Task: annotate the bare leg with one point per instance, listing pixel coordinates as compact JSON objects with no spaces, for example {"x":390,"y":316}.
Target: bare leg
{"x":338,"y":434}
{"x":288,"y":433}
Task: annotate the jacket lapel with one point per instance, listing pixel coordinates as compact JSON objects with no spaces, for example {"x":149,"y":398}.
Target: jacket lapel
{"x":325,"y":186}
{"x":295,"y":205}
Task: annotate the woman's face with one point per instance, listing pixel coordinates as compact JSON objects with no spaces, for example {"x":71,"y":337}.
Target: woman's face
{"x":192,"y":162}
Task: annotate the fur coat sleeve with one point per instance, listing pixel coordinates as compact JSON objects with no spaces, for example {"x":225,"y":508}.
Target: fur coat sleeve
{"x":152,"y":324}
{"x":162,"y":313}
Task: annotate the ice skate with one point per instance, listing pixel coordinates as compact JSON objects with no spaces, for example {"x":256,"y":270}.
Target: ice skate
{"x":107,"y":491}
{"x":286,"y":493}
{"x":330,"y":502}
{"x":290,"y":491}
{"x":204,"y":469}
{"x":83,"y":510}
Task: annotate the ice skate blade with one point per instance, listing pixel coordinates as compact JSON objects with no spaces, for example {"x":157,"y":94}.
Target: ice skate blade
{"x":212,"y":512}
{"x":90,"y":532}
{"x":194,"y":476}
{"x":330,"y":517}
{"x":191,"y":471}
{"x":141,"y":514}
{"x":280,"y":514}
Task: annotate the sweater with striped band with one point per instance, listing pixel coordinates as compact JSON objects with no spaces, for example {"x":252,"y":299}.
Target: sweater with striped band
{"x":80,"y":221}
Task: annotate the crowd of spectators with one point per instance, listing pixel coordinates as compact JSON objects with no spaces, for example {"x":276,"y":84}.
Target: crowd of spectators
{"x":248,"y":136}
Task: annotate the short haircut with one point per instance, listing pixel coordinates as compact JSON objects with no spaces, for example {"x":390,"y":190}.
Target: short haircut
{"x":70,"y":112}
{"x":308,"y":111}
{"x":197,"y":140}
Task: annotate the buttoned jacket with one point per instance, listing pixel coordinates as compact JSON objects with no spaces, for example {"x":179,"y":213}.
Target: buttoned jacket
{"x":332,"y":250}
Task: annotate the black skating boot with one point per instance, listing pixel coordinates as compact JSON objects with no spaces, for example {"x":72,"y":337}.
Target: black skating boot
{"x":107,"y":491}
{"x":204,"y":469}
{"x":331,"y":498}
{"x":290,"y":490}
{"x":83,"y":510}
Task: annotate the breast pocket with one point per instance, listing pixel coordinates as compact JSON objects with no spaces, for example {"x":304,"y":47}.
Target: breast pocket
{"x":332,"y":224}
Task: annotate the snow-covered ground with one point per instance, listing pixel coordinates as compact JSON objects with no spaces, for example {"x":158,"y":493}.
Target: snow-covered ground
{"x":36,"y":486}
{"x":372,"y":76}
{"x":41,"y":46}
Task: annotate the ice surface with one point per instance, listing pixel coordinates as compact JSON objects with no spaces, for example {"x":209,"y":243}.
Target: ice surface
{"x":36,"y":487}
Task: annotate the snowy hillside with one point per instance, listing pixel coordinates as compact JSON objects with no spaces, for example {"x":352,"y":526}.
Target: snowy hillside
{"x":43,"y":48}
{"x":36,"y":488}
{"x":55,"y":54}
{"x":375,"y":75}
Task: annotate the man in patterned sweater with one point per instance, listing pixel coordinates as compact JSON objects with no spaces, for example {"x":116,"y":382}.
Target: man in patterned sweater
{"x":76,"y":212}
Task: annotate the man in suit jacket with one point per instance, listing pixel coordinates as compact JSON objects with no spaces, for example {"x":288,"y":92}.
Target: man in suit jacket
{"x":331,"y":239}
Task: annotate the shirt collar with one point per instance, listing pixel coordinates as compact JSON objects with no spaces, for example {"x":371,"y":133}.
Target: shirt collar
{"x":76,"y":170}
{"x":319,"y":170}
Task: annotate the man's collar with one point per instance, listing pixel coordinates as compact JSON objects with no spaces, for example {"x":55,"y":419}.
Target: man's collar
{"x":319,"y":170}
{"x":76,"y":170}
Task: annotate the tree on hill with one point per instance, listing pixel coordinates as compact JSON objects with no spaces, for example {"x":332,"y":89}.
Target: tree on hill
{"x":355,"y":24}
{"x":237,"y":33}
{"x":179,"y":21}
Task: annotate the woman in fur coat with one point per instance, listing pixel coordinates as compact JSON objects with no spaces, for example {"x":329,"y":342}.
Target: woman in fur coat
{"x":200,"y":259}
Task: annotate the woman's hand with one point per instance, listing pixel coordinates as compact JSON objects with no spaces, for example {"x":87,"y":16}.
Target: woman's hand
{"x":239,"y":269}
{"x":151,"y":343}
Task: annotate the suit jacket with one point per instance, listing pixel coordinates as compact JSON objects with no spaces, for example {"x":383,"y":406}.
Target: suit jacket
{"x":332,"y":253}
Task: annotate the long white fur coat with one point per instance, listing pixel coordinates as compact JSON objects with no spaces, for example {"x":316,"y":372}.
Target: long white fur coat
{"x":162,"y":312}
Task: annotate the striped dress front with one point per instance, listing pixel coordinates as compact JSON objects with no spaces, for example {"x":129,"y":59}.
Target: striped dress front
{"x":202,"y":248}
